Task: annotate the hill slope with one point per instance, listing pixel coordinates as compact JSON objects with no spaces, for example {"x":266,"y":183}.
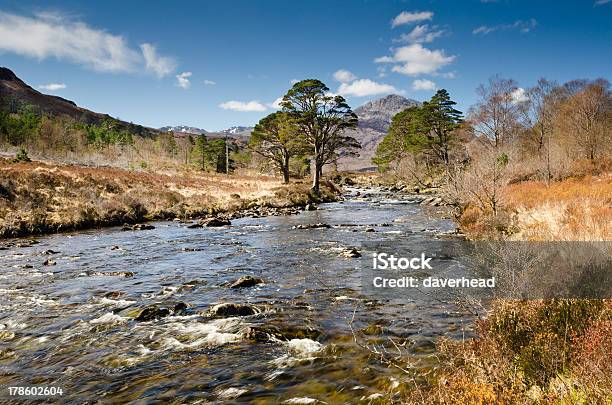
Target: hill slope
{"x":14,"y":92}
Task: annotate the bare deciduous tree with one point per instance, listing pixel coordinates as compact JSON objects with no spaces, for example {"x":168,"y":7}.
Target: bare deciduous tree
{"x":496,"y":114}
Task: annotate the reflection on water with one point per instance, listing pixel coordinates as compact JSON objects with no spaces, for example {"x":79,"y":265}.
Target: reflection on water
{"x":72,"y":324}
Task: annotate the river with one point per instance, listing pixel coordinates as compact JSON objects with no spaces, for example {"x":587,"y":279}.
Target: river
{"x":71,"y":325}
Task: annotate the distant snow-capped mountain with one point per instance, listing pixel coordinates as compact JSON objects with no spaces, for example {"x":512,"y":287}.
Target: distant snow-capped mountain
{"x":237,"y":130}
{"x":232,"y":132}
{"x":183,"y":129}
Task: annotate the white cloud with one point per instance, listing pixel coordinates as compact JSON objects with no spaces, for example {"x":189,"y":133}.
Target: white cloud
{"x":344,"y":76}
{"x":159,"y":65}
{"x":276,"y":104}
{"x":52,"y":86}
{"x":182,"y":80}
{"x":52,"y":35}
{"x":420,"y":34}
{"x":242,"y":106}
{"x":423,"y":84}
{"x":365,"y":87}
{"x":406,"y":17}
{"x":294,"y":81}
{"x":414,"y":60}
{"x":209,"y":83}
{"x":519,"y":96}
{"x":522,"y":26}
{"x":601,"y":2}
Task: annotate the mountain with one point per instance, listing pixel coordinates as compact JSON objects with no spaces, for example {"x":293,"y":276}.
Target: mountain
{"x":184,"y":129}
{"x":14,"y":93}
{"x":237,"y":130}
{"x":374,"y":120}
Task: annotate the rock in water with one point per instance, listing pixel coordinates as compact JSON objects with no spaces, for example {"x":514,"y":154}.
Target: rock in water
{"x":310,"y":207}
{"x":214,"y":222}
{"x":229,"y":309}
{"x":152,"y":312}
{"x":351,"y":252}
{"x":265,"y":333}
{"x":49,"y":262}
{"x":311,"y":226}
{"x":137,"y":227}
{"x":246,"y":281}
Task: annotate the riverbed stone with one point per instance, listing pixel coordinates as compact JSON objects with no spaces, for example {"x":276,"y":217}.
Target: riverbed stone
{"x":113,"y":295}
{"x":216,"y":222}
{"x":126,"y":274}
{"x":351,"y":252}
{"x":152,"y":312}
{"x":49,"y":262}
{"x":311,"y":226}
{"x":310,"y":207}
{"x":246,"y":281}
{"x":266,"y":333}
{"x":229,"y":309}
{"x":137,"y":227}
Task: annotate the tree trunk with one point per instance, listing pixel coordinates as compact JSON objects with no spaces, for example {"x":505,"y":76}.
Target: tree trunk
{"x":286,"y":169}
{"x":316,"y":178}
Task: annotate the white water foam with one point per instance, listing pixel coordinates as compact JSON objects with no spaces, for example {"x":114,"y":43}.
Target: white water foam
{"x":214,"y":333}
{"x":303,"y":400}
{"x":108,"y":319}
{"x":230,"y":393}
{"x":300,"y":350}
{"x":111,"y":302}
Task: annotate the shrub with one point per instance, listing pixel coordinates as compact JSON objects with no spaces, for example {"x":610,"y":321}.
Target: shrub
{"x":22,"y":156}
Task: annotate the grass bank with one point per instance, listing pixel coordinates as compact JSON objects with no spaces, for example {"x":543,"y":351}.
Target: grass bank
{"x":536,"y":351}
{"x":40,"y":198}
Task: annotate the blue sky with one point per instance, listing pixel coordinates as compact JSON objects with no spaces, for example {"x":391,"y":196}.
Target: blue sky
{"x":214,"y":64}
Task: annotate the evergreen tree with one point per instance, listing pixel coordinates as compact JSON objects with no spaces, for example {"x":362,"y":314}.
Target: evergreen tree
{"x":322,"y":120}
{"x":277,"y":138}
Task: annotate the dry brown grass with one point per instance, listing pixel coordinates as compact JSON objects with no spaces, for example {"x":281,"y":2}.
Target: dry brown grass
{"x":576,"y":208}
{"x":572,"y":209}
{"x":43,"y":197}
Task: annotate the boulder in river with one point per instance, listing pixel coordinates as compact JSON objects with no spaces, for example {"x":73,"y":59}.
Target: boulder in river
{"x":50,"y":252}
{"x":229,"y":309}
{"x":351,"y":252}
{"x":137,"y":227}
{"x":157,"y":311}
{"x":246,"y":281}
{"x":113,"y":295}
{"x":196,"y":225}
{"x":152,"y":312}
{"x":49,"y":262}
{"x":311,"y":226}
{"x":215,"y":222}
{"x":265,"y":333}
{"x":125,"y":274}
{"x":310,"y":207}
